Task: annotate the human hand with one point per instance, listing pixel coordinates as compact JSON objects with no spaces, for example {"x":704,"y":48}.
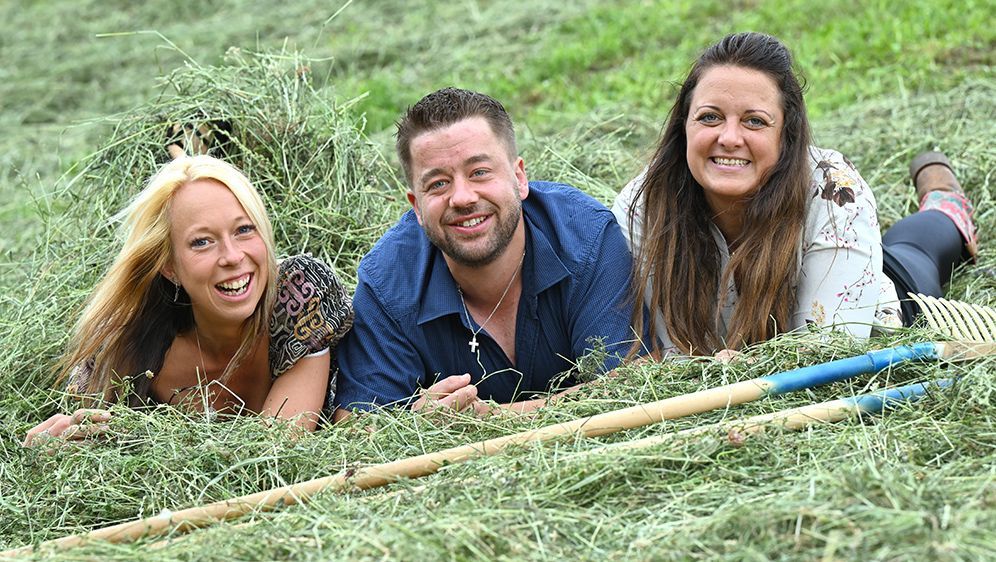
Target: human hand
{"x":453,"y":392}
{"x":726,"y":355}
{"x":81,"y":424}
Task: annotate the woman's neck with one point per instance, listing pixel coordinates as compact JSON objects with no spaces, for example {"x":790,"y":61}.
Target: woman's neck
{"x":731,"y":223}
{"x":218,"y":339}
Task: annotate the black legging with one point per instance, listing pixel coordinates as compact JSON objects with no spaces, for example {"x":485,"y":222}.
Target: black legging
{"x":919,"y":253}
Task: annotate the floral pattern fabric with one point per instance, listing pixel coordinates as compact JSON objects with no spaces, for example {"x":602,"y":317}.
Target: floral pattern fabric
{"x":841,"y":283}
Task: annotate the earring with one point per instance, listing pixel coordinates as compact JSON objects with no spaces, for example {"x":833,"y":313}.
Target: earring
{"x":176,"y":295}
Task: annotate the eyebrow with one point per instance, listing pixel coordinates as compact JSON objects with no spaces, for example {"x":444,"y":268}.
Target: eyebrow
{"x":475,"y":159}
{"x":770,"y":116}
{"x":203,"y":228}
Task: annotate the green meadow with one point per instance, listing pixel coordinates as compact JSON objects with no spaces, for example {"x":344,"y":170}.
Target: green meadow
{"x":87,"y":90}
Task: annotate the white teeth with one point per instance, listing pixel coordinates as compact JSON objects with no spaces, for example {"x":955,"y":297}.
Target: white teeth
{"x":472,"y":222}
{"x":236,"y":287}
{"x":731,"y":161}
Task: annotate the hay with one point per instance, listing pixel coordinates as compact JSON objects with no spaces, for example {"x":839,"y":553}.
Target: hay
{"x":917,"y":484}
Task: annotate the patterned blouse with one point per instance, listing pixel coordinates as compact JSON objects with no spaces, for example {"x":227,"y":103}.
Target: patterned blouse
{"x":311,"y":314}
{"x":841,"y":283}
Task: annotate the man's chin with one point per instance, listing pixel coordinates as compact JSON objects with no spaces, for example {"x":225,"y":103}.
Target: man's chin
{"x":470,"y":259}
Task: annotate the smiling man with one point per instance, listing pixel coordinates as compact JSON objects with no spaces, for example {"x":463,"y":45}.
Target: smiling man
{"x":490,"y":286}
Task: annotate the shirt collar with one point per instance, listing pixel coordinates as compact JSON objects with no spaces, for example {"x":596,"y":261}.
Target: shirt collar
{"x":544,"y":264}
{"x":542,"y":269}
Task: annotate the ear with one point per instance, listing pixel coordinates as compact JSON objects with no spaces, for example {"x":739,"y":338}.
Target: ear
{"x":522,"y":182}
{"x":413,"y":201}
{"x":169,"y":273}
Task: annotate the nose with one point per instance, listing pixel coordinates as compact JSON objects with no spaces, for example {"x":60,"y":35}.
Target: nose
{"x":464,"y":193}
{"x":730,"y":136}
{"x":229,"y":253}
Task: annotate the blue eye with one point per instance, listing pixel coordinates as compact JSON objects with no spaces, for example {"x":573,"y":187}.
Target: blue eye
{"x":246,"y":229}
{"x":436,"y":185}
{"x":755,"y":122}
{"x":708,"y":118}
{"x":198,"y":242}
{"x":479,"y":172}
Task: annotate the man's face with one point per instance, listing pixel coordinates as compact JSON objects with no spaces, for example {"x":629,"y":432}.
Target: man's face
{"x":466,"y":191}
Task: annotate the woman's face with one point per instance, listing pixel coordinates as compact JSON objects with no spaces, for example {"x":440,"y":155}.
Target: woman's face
{"x":734,"y":131}
{"x":218,"y":256}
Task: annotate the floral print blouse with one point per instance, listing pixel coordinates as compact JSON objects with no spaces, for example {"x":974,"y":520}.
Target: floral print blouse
{"x":841,"y":283}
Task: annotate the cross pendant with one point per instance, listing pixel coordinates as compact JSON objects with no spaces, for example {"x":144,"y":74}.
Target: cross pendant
{"x":473,"y":344}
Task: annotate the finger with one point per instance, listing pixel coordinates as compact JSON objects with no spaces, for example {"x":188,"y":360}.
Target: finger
{"x":448,"y":385}
{"x":89,"y":415}
{"x":42,"y":430}
{"x":482,"y":408}
{"x":460,"y":399}
{"x":78,"y":432}
{"x":175,"y":151}
{"x":726,"y":355}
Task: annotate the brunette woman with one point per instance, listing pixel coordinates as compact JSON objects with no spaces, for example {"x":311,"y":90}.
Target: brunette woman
{"x":742,"y":229}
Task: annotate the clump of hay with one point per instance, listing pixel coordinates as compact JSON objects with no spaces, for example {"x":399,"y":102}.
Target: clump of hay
{"x":328,"y":189}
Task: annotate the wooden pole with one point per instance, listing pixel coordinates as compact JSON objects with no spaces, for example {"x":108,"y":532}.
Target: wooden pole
{"x":413,"y":467}
{"x":793,"y":418}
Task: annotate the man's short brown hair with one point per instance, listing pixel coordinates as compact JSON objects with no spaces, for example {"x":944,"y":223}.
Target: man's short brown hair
{"x":445,"y":107}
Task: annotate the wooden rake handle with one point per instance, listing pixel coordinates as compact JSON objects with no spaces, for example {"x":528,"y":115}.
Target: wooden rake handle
{"x":422,"y":465}
{"x":796,"y":418}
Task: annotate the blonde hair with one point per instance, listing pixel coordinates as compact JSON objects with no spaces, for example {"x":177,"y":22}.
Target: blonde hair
{"x":131,"y":319}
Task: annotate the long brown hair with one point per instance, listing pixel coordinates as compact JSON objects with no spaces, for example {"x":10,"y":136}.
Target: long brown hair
{"x":677,"y":266}
{"x":134,"y":313}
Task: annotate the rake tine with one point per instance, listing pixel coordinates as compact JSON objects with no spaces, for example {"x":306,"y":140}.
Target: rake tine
{"x":963,"y":320}
{"x":987,"y":321}
{"x":989,"y":315}
{"x":971,"y":319}
{"x":927,"y":311}
{"x":957,"y":319}
{"x":945,"y":322}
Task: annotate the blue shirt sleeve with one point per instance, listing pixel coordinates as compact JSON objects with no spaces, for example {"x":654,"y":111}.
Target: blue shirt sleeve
{"x":603,"y":302}
{"x":378,"y":365}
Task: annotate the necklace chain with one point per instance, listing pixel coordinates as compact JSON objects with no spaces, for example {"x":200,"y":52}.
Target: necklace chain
{"x":200,"y":353}
{"x":208,"y":407}
{"x":473,"y":340}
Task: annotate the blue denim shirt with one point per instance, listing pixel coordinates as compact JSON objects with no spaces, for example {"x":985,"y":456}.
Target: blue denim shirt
{"x":411,"y":328}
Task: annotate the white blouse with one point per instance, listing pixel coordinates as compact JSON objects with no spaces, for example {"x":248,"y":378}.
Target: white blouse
{"x":841,"y":284}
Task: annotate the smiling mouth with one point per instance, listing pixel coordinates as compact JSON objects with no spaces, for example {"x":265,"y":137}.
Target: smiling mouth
{"x":731,"y":161}
{"x":471,"y":222}
{"x":235,"y":287}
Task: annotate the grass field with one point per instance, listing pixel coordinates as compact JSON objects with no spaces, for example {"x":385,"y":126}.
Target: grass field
{"x":86,"y":90}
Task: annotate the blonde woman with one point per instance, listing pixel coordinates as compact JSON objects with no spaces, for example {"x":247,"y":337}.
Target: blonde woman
{"x":195,"y":311}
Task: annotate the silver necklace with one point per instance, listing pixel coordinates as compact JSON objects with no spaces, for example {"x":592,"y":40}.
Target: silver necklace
{"x":473,"y":340}
{"x":200,"y":353}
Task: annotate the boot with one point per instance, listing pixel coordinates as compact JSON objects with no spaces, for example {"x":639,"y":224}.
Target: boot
{"x":938,"y":189}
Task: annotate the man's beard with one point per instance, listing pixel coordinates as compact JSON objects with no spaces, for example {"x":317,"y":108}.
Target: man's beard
{"x":501,"y":235}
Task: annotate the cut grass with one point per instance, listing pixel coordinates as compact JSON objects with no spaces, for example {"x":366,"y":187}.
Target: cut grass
{"x":916,"y":483}
{"x":587,"y":84}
